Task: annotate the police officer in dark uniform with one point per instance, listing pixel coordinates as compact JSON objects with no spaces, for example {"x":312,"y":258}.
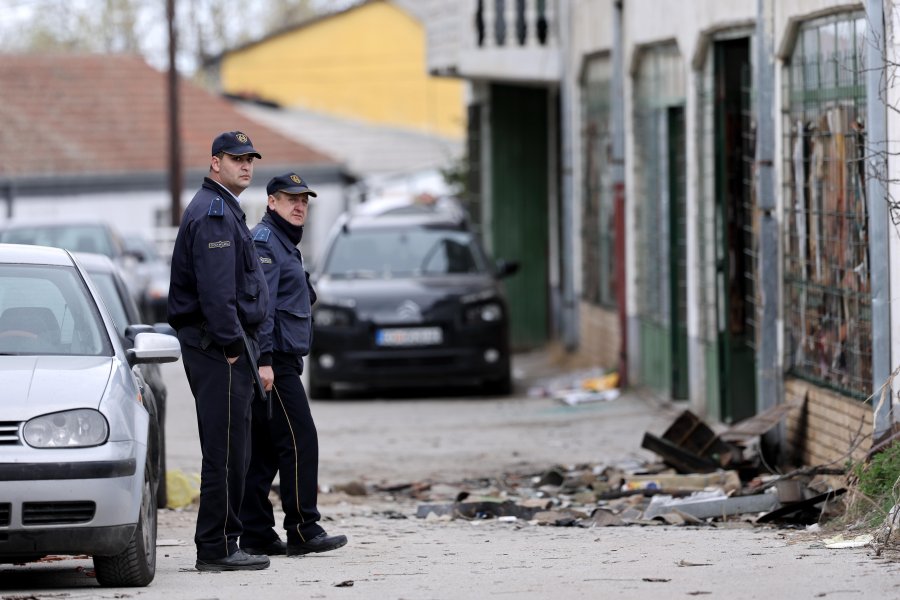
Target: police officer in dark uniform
{"x":287,"y":442}
{"x":217,"y":301}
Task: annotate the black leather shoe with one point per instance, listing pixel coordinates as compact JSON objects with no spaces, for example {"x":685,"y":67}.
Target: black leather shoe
{"x":321,"y":543}
{"x":237,"y":561}
{"x":276,"y":548}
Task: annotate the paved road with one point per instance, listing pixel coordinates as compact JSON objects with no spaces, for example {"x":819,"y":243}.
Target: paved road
{"x":392,"y":554}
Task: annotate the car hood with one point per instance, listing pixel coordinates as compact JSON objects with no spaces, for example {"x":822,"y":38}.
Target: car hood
{"x":35,"y":385}
{"x":388,"y":300}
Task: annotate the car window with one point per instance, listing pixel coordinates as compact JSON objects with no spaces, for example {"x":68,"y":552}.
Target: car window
{"x":412,"y":252}
{"x":106,"y":285}
{"x":77,"y":238}
{"x":49,"y":310}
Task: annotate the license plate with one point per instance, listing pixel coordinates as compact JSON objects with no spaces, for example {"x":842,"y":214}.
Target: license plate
{"x":409,"y":336}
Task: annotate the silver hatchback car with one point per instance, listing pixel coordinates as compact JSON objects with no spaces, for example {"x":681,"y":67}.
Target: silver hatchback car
{"x":74,"y":476}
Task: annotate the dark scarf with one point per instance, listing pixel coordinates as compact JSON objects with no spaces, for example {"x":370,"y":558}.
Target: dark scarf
{"x":294,"y":232}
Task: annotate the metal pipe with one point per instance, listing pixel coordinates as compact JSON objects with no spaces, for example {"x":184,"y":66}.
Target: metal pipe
{"x":567,"y":241}
{"x":768,"y":380}
{"x":617,"y":168}
{"x":876,"y":197}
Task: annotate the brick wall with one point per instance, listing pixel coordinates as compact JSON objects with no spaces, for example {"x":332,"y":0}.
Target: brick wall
{"x":827,"y":426}
{"x":599,"y":336}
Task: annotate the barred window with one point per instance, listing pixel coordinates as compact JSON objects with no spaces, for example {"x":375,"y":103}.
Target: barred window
{"x":598,"y":218}
{"x":659,"y":88}
{"x":827,"y":294}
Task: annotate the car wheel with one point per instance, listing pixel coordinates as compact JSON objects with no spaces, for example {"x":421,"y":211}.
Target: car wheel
{"x":318,"y":391}
{"x":136,"y":565}
{"x":499,"y":387}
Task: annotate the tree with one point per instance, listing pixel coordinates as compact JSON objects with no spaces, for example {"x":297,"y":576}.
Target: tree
{"x":205,"y":27}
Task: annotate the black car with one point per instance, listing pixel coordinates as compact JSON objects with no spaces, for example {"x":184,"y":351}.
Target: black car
{"x":129,"y":321}
{"x":408,"y":297}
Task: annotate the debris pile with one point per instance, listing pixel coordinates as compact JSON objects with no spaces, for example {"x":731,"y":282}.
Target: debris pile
{"x":701,"y":478}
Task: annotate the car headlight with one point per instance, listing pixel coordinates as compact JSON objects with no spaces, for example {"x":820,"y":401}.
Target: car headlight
{"x":68,"y":429}
{"x":487,"y":313}
{"x":332,"y":317}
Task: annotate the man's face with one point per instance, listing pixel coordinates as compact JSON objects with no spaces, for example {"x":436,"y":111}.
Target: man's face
{"x":233,"y":172}
{"x":290,"y":207}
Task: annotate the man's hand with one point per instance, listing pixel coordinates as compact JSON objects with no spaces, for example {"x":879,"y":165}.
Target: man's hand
{"x":268,"y":377}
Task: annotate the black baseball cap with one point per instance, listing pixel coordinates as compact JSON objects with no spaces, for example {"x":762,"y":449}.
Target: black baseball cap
{"x":289,"y":183}
{"x":235,"y":143}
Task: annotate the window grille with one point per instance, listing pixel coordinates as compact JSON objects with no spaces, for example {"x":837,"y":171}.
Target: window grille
{"x":827,"y":294}
{"x":659,"y":86}
{"x":598,"y":224}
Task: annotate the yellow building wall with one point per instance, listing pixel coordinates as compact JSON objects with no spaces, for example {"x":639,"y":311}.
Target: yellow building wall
{"x":367,"y":63}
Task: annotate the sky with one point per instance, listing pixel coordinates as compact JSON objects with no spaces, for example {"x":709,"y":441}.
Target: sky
{"x":248,"y":23}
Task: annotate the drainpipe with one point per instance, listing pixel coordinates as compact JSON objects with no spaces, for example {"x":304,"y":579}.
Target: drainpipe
{"x":768,"y":381}
{"x":876,"y":196}
{"x":567,"y":241}
{"x":617,"y":168}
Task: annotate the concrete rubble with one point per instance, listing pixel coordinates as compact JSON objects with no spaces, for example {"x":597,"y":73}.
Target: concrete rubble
{"x":701,"y":478}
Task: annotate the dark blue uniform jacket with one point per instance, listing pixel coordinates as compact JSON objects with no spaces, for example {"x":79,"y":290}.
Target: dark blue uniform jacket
{"x":216,"y":279}
{"x":289,"y":326}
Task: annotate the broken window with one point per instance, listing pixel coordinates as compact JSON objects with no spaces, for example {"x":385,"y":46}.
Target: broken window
{"x":598,"y":219}
{"x":827,"y":295}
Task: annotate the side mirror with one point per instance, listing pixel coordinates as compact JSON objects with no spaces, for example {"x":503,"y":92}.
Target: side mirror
{"x":505,"y":268}
{"x":153,"y":348}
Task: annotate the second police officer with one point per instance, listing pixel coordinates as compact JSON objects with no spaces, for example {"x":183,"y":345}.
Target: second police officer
{"x":285,"y":441}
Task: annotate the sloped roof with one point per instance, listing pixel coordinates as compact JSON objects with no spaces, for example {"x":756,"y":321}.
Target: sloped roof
{"x":102,"y":114}
{"x":364,"y":148}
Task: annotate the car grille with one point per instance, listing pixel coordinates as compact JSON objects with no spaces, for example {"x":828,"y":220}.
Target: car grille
{"x":383,"y":362}
{"x":57,"y":513}
{"x":4,"y":514}
{"x":9,"y":433}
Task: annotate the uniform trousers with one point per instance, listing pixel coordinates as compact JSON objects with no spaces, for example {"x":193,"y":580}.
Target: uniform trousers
{"x":223,"y":395}
{"x":286,"y":443}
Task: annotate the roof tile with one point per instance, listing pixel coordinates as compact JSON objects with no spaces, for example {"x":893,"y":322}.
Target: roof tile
{"x":87,"y":114}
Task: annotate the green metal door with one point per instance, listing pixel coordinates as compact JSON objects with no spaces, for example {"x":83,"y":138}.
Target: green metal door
{"x":734,"y":236}
{"x":519,"y":188}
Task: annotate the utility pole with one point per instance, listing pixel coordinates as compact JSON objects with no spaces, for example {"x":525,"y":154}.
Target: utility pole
{"x":174,"y":130}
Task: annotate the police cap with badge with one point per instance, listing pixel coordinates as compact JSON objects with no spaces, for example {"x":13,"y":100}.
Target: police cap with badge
{"x":235,"y":143}
{"x":289,"y":183}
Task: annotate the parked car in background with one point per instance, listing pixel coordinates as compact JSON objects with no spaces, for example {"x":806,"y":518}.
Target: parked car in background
{"x":128,"y":319}
{"x":79,"y":235}
{"x":153,"y":270}
{"x":76,"y":473}
{"x":407,"y":296}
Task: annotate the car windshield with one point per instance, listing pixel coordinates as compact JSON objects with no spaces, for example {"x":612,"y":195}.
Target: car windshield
{"x":411,"y":252}
{"x":49,"y":310}
{"x":76,"y":238}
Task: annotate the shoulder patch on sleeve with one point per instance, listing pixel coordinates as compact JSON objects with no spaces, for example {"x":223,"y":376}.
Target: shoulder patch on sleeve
{"x":265,"y":260}
{"x":216,"y":207}
{"x":262,"y":234}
